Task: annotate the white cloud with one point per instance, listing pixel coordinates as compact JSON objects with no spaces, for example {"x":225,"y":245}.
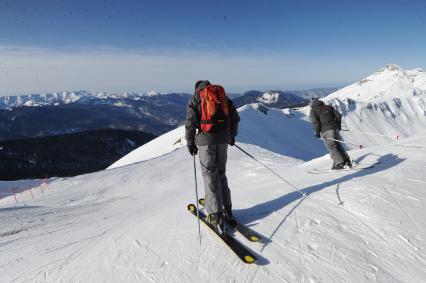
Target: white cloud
{"x":37,"y":70}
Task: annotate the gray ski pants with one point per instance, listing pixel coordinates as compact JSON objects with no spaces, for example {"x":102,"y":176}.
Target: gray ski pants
{"x":337,"y":151}
{"x":213,"y":166}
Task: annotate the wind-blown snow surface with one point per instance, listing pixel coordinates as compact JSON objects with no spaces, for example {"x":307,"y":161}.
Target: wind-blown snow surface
{"x":130,"y":224}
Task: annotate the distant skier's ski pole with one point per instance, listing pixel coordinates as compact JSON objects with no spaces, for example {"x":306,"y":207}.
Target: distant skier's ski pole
{"x":275,"y":173}
{"x":357,"y":145}
{"x":196,"y":200}
{"x":373,"y":134}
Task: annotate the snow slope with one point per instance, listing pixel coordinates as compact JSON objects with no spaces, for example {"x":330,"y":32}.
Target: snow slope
{"x":130,"y":224}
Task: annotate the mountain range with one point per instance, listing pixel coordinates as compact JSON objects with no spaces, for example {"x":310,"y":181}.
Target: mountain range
{"x":76,"y":112}
{"x":281,"y":99}
{"x":126,"y":99}
{"x":40,"y":115}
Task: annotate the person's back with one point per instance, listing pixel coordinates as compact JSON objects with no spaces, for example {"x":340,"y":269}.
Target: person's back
{"x":324,"y":117}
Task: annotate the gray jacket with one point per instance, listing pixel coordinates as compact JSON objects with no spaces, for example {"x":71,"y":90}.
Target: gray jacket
{"x":193,"y":123}
{"x":324,"y":117}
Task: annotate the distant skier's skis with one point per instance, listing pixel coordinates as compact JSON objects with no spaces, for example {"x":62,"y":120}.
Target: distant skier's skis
{"x":248,"y":233}
{"x":354,"y":168}
{"x":238,"y":248}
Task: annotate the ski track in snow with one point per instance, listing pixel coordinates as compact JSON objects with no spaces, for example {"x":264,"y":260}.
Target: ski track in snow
{"x":401,"y":208}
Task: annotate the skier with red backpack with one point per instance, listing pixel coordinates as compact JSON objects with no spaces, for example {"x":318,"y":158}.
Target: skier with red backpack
{"x":211,"y":124}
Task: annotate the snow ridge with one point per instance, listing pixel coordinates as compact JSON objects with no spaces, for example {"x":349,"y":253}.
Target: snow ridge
{"x":388,"y":82}
{"x":391,"y":101}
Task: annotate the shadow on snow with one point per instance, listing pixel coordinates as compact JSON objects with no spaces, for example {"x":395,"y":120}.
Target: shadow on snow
{"x":262,"y":210}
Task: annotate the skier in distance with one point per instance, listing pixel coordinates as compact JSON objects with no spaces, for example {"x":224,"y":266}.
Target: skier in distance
{"x":327,"y":123}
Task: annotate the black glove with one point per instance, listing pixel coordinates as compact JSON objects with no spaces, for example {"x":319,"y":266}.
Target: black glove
{"x":192,"y":148}
{"x":318,"y":135}
{"x":232,"y":141}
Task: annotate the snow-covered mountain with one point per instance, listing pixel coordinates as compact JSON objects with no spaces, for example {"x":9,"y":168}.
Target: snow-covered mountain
{"x":281,"y":99}
{"x":273,"y":98}
{"x":130,"y":224}
{"x":389,"y":82}
{"x":392,"y":102}
{"x":315,"y":92}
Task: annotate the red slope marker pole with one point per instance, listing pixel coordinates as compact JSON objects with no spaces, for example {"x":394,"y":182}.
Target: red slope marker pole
{"x":31,"y":192}
{"x":14,"y":195}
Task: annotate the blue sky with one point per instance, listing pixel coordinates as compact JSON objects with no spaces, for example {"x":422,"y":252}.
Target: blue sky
{"x":167,"y":45}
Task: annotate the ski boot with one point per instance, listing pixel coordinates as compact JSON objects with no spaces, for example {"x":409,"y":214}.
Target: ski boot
{"x":216,"y":220}
{"x":227,"y":215}
{"x":339,"y":166}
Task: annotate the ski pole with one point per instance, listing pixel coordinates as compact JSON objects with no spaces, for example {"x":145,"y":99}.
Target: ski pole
{"x":196,"y":200}
{"x":373,"y":134}
{"x":357,"y":145}
{"x":275,"y":173}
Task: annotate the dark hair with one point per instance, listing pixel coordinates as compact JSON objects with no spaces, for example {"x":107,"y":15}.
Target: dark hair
{"x":201,"y":84}
{"x":197,"y":84}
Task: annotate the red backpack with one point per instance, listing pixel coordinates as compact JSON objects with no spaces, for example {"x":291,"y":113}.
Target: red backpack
{"x":214,"y":109}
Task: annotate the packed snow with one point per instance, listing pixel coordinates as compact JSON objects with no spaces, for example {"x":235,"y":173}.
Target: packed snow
{"x":130,"y":224}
